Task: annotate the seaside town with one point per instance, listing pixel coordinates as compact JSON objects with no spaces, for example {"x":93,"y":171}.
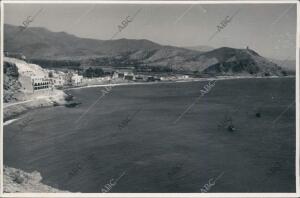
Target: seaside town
{"x":35,"y":79}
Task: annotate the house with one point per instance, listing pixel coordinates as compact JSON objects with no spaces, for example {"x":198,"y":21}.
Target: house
{"x":32,"y":82}
{"x":58,"y":78}
{"x":68,"y":78}
{"x":125,"y":74}
{"x":73,"y":79}
{"x":115,"y":75}
{"x":182,"y":77}
{"x":76,"y":79}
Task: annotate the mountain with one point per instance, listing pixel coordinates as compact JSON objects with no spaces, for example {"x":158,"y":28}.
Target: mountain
{"x":42,"y":43}
{"x":241,"y":61}
{"x":59,"y":49}
{"x":200,"y":48}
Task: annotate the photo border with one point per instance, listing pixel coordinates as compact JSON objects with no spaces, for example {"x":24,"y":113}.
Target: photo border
{"x":297,"y":182}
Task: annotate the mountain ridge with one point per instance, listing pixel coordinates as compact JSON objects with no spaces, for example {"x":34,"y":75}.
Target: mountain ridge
{"x":40,"y":44}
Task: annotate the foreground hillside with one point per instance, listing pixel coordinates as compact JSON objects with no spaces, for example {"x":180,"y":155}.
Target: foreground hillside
{"x":16,"y":181}
{"x":59,"y":49}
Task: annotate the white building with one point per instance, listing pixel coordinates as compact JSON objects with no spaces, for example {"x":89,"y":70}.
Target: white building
{"x":73,"y":79}
{"x":41,"y":83}
{"x":76,"y":79}
{"x":32,"y":83}
{"x":124,"y":74}
{"x":183,"y":77}
{"x":58,"y":78}
{"x":58,"y":82}
{"x":32,"y":77}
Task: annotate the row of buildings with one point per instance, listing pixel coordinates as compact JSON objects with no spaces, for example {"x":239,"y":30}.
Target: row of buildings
{"x":59,"y":79}
{"x":33,"y":82}
{"x":126,"y":74}
{"x":41,"y":81}
{"x":36,"y":79}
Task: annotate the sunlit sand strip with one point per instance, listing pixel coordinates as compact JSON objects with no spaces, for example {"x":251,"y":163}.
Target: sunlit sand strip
{"x":8,"y":122}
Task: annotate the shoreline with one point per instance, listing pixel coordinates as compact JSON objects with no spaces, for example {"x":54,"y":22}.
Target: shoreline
{"x":8,"y":122}
{"x":176,"y":81}
{"x":42,"y":102}
{"x":13,"y":111}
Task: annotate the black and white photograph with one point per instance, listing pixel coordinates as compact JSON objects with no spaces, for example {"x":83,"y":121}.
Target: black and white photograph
{"x":162,"y":97}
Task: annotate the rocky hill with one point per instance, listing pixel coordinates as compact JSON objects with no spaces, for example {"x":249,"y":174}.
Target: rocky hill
{"x":59,"y":49}
{"x":241,"y":61}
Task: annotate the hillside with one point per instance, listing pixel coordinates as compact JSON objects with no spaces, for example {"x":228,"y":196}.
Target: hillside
{"x":242,"y":61}
{"x":59,"y":49}
{"x":42,"y":43}
{"x":287,"y":64}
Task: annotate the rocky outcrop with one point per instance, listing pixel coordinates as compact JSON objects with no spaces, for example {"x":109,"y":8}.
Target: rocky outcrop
{"x":19,"y":181}
{"x":11,"y":83}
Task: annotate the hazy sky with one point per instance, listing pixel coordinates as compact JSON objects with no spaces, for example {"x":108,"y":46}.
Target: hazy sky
{"x":269,"y":29}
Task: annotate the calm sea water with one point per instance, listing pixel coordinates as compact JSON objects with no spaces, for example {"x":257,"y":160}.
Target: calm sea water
{"x":130,"y":133}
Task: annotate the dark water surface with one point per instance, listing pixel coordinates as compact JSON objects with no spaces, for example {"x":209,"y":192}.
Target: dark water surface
{"x":152,"y":153}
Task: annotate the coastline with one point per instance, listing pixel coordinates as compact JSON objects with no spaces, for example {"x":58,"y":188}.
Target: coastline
{"x":11,"y":111}
{"x":8,"y":122}
{"x":177,"y":81}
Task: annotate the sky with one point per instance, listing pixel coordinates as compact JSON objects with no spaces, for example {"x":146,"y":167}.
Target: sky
{"x":269,"y":29}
